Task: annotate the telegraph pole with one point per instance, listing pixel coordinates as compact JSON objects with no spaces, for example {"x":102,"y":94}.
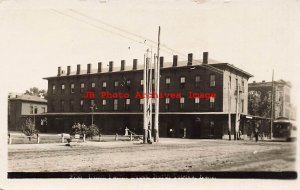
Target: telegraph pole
{"x":145,"y":99}
{"x":237,"y":118}
{"x":272,"y":105}
{"x":156,"y":90}
{"x":229,"y":110}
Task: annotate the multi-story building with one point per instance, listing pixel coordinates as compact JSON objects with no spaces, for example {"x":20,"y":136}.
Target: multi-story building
{"x":196,"y":96}
{"x":282,"y":101}
{"x":21,"y":106}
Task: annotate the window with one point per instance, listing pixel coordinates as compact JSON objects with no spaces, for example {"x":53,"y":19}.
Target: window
{"x":197,"y":103}
{"x":181,"y":102}
{"x":62,"y":105}
{"x":128,"y":83}
{"x":92,"y":102}
{"x":127,"y":103}
{"x":71,"y":105}
{"x":116,"y":84}
{"x":229,"y":81}
{"x":43,"y":109}
{"x":72,"y":88}
{"x":168,"y":81}
{"x":63,"y":88}
{"x":142,"y":84}
{"x":212,"y":80}
{"x":182,"y":82}
{"x":242,"y":105}
{"x":141,"y":104}
{"x":53,"y":89}
{"x":197,"y":81}
{"x":31,"y":109}
{"x":115,"y":104}
{"x":81,"y":87}
{"x":35,"y":110}
{"x":93,"y":85}
{"x":212,"y":103}
{"x":104,"y":103}
{"x":81,"y":105}
{"x":104,"y":85}
{"x":167,"y":105}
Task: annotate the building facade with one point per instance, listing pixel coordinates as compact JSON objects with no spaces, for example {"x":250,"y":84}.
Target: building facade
{"x":195,"y":98}
{"x":282,"y":98}
{"x":21,"y":106}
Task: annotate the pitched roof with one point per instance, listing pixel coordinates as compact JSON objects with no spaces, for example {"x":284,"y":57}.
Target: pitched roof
{"x":27,"y":98}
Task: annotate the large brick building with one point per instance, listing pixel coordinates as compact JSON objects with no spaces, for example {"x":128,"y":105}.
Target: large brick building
{"x":202,"y":117}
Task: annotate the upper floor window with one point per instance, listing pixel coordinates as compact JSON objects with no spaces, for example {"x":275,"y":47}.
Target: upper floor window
{"x":212,"y":80}
{"x":81,"y":87}
{"x":62,"y":105}
{"x":104,"y":85}
{"x":43,"y":109}
{"x":242,"y":104}
{"x":181,"y":102}
{"x":167,"y":105}
{"x":31,"y":109}
{"x":141,"y":104}
{"x":93,"y":85}
{"x":71,"y":105}
{"x":92,"y":102}
{"x":116,"y":84}
{"x":168,"y":82}
{"x":197,"y":81}
{"x":212,"y":103}
{"x":182,"y":82}
{"x":53,"y":89}
{"x":197,"y":103}
{"x":127,"y":104}
{"x":104,"y":103}
{"x":128,"y":83}
{"x":63,"y":88}
{"x":115,"y":104}
{"x":72,"y":88}
{"x":35,"y":110}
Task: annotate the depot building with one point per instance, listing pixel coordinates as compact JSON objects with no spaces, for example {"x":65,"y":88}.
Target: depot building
{"x":189,"y":115}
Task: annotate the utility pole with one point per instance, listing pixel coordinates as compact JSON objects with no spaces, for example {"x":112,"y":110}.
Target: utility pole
{"x":145,"y":136}
{"x":229,"y":112}
{"x":237,"y":117}
{"x":156,"y":90}
{"x":272,"y":105}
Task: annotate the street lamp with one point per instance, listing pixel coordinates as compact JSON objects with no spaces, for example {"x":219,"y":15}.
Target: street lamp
{"x":93,"y":108}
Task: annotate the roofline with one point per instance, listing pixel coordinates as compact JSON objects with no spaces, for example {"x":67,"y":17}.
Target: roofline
{"x":234,"y":67}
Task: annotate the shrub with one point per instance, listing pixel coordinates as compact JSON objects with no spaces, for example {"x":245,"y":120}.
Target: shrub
{"x":28,"y":127}
{"x":92,"y":130}
{"x":89,"y":131}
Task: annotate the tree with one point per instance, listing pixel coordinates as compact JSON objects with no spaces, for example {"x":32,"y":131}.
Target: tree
{"x":34,"y":91}
{"x":28,"y":127}
{"x":259,"y":103}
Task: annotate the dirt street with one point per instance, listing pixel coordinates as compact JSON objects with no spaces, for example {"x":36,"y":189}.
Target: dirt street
{"x":167,"y":155}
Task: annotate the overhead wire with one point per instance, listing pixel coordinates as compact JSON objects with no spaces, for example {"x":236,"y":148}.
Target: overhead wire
{"x":163,"y":48}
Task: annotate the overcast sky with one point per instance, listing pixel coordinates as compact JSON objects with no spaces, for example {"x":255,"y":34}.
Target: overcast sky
{"x":37,"y":37}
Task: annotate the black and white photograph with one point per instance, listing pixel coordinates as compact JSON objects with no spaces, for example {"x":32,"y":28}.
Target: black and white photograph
{"x":150,"y":89}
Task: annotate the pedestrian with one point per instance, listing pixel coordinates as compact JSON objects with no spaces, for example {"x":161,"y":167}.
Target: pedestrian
{"x":256,"y":134}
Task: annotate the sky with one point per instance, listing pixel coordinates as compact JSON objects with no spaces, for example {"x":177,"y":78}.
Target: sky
{"x":38,"y":36}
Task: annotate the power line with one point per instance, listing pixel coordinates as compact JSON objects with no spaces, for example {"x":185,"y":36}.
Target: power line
{"x":164,"y":47}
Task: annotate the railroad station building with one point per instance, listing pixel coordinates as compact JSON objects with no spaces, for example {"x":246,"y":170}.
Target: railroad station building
{"x":207,"y":93}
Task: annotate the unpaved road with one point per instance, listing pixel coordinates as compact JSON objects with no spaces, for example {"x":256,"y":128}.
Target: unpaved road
{"x":167,"y":155}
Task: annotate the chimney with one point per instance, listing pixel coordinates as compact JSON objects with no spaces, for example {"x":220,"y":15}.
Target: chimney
{"x":122,"y":65}
{"x":161,"y":62}
{"x":111,"y":63}
{"x":68,"y":70}
{"x":58,"y":71}
{"x":78,"y":69}
{"x":205,"y":58}
{"x":99,"y":67}
{"x":175,"y":58}
{"x":89,"y":68}
{"x":263,"y":81}
{"x":190,"y":59}
{"x":134,"y":67}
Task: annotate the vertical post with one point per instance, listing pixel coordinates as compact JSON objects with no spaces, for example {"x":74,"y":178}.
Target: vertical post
{"x":130,"y":136}
{"x":229,"y":112}
{"x":99,"y":137}
{"x":9,"y":138}
{"x":62,"y":138}
{"x":272,"y":106}
{"x":145,"y":99}
{"x":156,"y":78}
{"x":83,"y":137}
{"x":116,"y":137}
{"x":38,"y":138}
{"x":237,"y":113}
